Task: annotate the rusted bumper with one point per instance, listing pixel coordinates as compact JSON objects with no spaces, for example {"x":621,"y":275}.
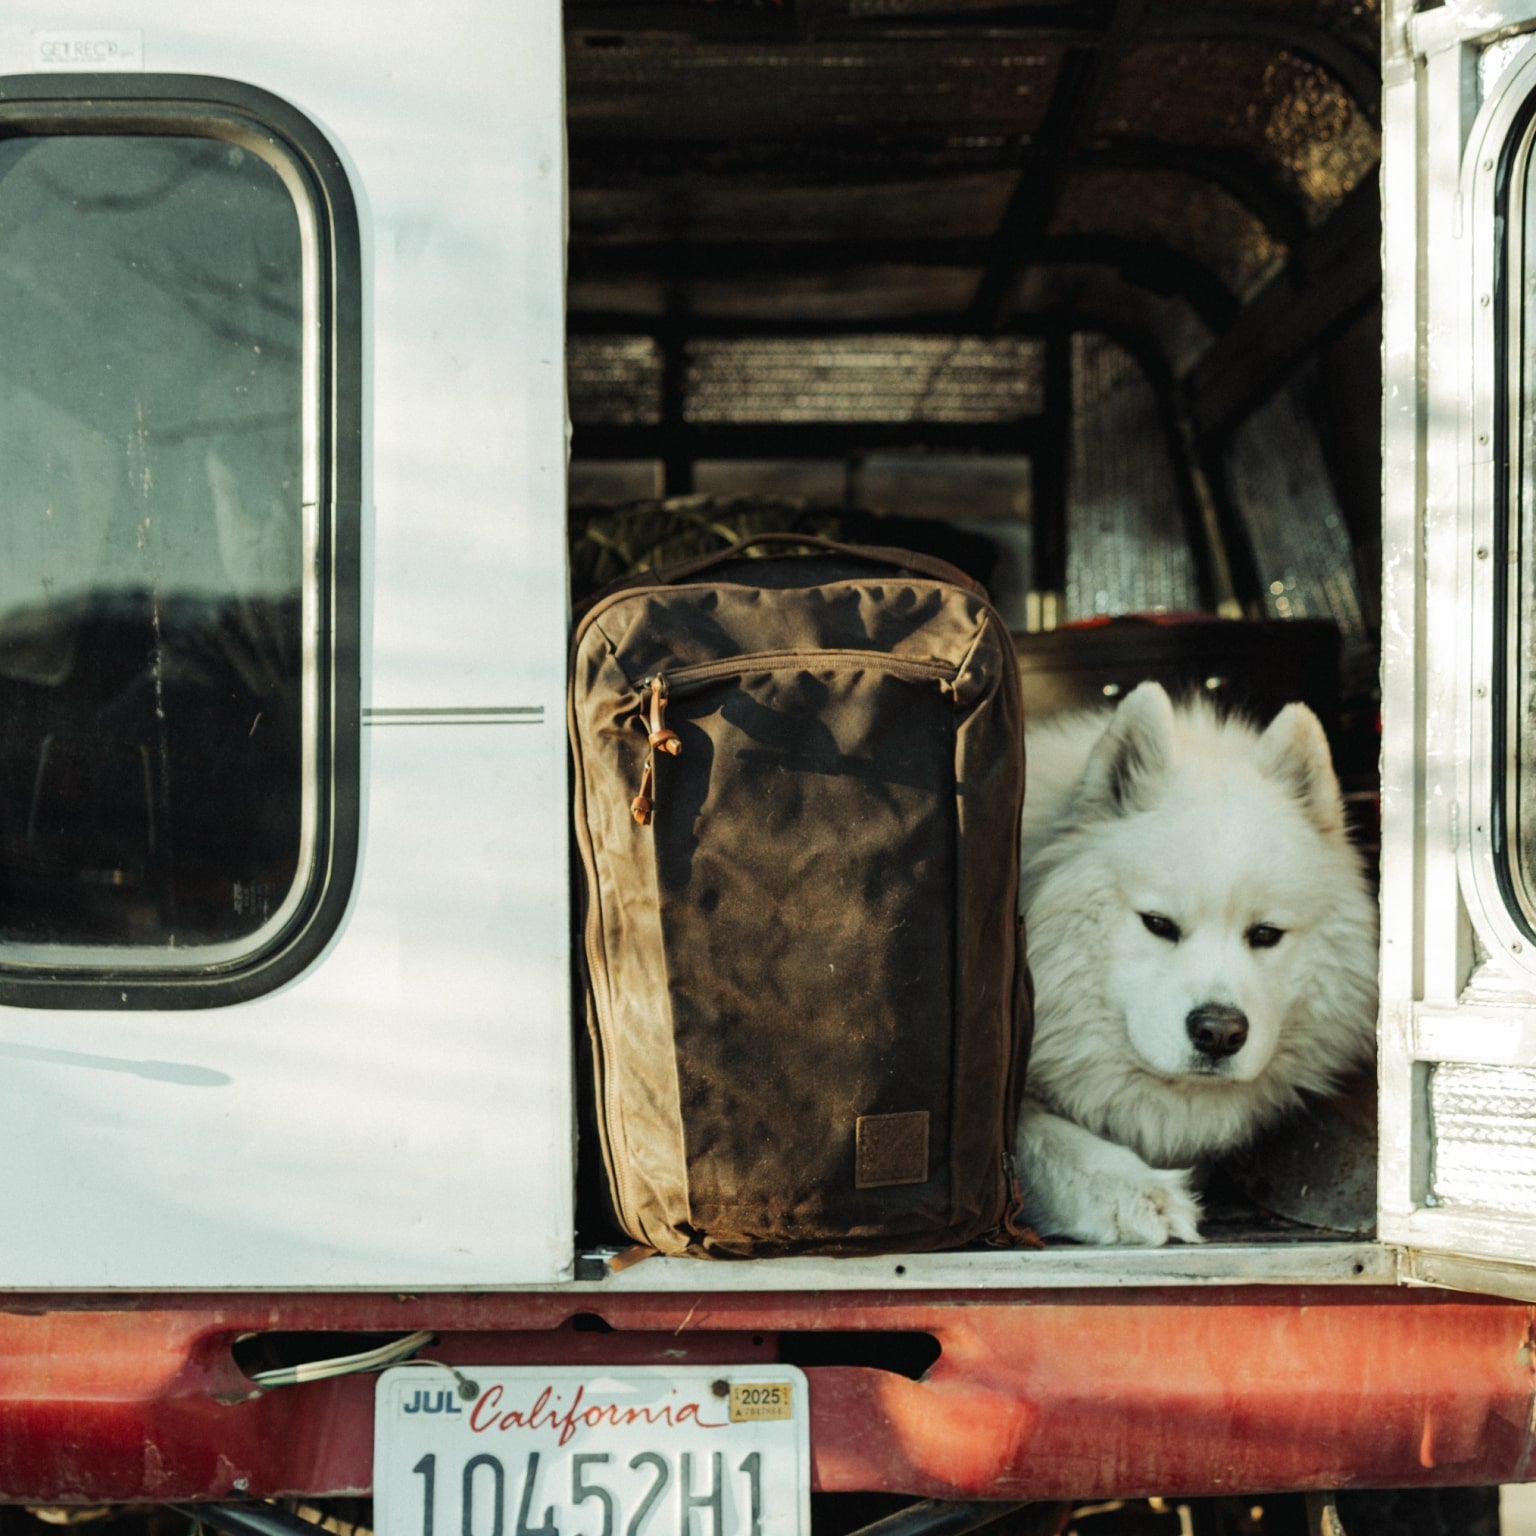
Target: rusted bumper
{"x":1032,"y":1395}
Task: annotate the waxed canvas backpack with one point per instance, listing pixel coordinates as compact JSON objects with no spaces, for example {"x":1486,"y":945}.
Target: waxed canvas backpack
{"x":797,"y":791}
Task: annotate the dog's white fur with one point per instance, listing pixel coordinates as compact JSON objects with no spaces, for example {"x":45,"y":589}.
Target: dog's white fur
{"x":1220,"y":829}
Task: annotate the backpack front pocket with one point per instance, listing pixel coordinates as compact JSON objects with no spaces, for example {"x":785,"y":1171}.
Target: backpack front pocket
{"x":805,"y":860}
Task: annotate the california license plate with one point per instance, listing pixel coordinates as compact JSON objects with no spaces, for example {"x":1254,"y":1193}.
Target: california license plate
{"x":582,"y":1451}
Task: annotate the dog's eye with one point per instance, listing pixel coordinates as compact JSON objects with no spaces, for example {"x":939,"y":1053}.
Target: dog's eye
{"x":1263,"y":936}
{"x":1162,"y":927}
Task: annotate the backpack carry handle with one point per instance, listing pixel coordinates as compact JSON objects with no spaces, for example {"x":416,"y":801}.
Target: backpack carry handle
{"x":903,"y":559}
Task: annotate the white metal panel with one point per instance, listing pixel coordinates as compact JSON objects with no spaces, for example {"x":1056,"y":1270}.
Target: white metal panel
{"x":400,"y":1115}
{"x":1459,"y":985}
{"x":1401,"y":607}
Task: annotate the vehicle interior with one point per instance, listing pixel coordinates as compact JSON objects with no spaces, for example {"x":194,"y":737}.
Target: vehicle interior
{"x":1083,"y":295}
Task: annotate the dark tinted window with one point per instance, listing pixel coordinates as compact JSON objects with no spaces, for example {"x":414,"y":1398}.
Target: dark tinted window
{"x":158,"y":699}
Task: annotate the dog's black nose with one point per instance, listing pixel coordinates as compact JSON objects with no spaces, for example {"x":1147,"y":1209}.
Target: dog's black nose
{"x":1217,"y":1030}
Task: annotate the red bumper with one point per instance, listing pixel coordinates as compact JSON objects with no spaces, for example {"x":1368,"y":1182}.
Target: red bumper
{"x":1034,"y":1395}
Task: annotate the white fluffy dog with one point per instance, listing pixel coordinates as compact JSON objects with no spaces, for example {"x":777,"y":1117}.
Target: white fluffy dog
{"x":1203,"y":949}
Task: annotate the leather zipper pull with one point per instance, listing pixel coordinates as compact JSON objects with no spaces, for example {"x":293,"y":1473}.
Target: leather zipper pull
{"x":668,"y":741}
{"x":659,"y":737}
{"x":640,"y":806}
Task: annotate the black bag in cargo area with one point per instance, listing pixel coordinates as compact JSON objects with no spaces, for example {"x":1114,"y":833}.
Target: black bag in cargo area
{"x":797,"y":792}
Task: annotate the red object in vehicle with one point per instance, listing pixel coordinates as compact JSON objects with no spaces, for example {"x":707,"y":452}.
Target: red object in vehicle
{"x":1032,"y":1394}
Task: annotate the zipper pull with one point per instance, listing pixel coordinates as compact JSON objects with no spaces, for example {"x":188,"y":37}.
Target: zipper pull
{"x":669,"y":741}
{"x":640,"y":806}
{"x":658,"y":736}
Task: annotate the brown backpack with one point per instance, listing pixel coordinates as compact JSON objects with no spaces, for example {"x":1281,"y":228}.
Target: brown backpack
{"x":797,"y":793}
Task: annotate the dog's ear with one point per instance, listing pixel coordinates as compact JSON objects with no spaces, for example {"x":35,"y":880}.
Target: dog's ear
{"x":1294,"y":750}
{"x":1134,"y":752}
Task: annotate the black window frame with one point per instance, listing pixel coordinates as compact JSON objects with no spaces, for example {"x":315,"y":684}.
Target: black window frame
{"x":1510,"y":351}
{"x":203,"y":106}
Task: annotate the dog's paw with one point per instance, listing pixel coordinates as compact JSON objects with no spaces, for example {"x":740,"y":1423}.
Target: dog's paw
{"x":1076,"y":1184}
{"x":1150,"y":1208}
{"x":1109,"y":1196}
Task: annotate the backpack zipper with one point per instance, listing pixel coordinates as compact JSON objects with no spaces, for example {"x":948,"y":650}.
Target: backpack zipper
{"x":660,"y":687}
{"x":700,"y":672}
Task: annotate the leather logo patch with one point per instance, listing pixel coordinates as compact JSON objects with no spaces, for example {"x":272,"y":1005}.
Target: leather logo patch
{"x":891,"y":1149}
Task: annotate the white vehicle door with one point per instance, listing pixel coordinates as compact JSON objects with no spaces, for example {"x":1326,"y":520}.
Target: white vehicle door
{"x":1458,"y":1072}
{"x":283,"y":830}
